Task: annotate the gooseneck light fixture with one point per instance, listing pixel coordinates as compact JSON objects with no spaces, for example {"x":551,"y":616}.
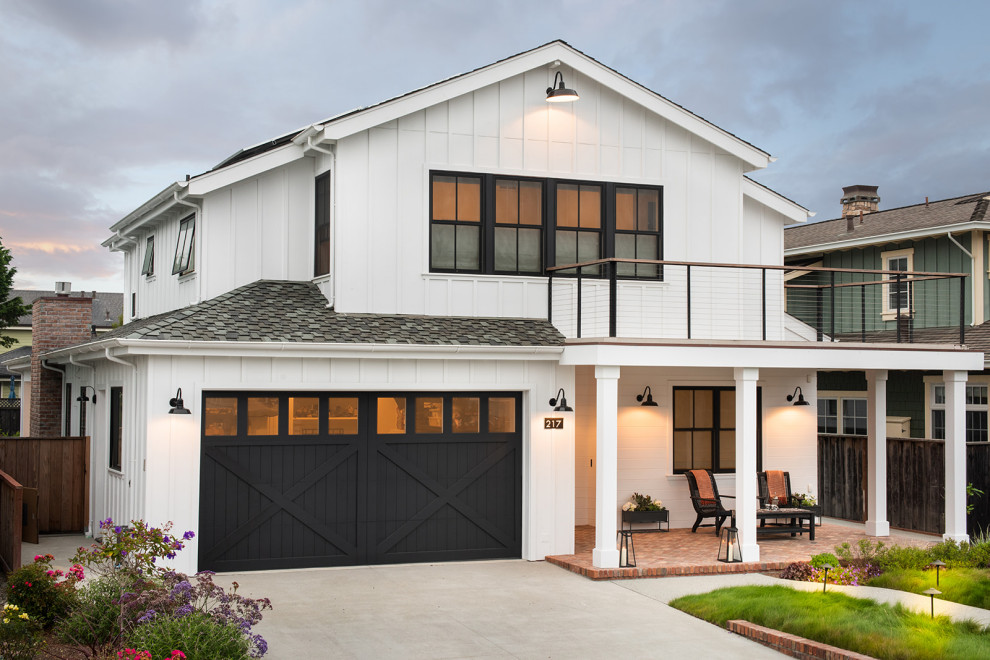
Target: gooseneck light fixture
{"x":800,"y":397}
{"x":559,"y":402}
{"x":178,"y":408}
{"x":559,"y":93}
{"x":82,"y":394}
{"x":648,"y":394}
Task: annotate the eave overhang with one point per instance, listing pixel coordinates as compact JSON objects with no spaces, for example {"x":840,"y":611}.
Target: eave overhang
{"x":893,"y":237}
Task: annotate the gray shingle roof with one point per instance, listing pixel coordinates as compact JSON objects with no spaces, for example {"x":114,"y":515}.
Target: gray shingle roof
{"x":107,"y":307}
{"x":280,"y":311}
{"x":19,"y":352}
{"x":934,"y":215}
{"x":977,"y":336}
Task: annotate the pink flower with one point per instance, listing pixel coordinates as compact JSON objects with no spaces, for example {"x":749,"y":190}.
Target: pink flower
{"x":37,"y":557}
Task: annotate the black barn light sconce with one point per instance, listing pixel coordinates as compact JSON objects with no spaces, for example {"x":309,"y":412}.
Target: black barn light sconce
{"x":559,"y":93}
{"x":800,"y":397}
{"x":82,"y":394}
{"x":559,"y":402}
{"x":178,"y":408}
{"x":648,"y":396}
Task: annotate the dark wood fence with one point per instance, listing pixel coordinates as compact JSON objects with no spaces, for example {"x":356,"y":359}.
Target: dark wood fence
{"x":10,"y":416}
{"x":11,"y":512}
{"x":59,"y":469}
{"x":915,"y":481}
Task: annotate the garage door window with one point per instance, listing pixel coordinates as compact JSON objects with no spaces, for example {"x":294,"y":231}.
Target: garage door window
{"x":304,"y":415}
{"x":343,"y":416}
{"x":391,"y":414}
{"x":501,"y":415}
{"x":262,"y":415}
{"x":220,"y":417}
{"x":466,"y":412}
{"x":429,"y":414}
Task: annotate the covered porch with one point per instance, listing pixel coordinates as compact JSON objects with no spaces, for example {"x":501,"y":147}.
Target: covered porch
{"x":622,"y":447}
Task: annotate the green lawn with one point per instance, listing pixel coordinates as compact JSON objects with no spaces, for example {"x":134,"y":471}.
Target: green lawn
{"x":968,"y":586}
{"x":855,"y":624}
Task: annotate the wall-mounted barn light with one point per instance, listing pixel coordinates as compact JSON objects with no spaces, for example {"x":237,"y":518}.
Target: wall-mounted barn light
{"x":559,"y":93}
{"x":648,"y":395}
{"x":559,"y":402}
{"x":800,"y":397}
{"x":178,"y":408}
{"x":82,"y":394}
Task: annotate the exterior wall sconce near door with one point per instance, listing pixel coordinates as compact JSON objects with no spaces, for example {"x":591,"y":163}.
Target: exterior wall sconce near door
{"x":559,"y":93}
{"x":178,"y":408}
{"x":800,"y":397}
{"x":648,"y":394}
{"x":559,"y":402}
{"x":82,"y":394}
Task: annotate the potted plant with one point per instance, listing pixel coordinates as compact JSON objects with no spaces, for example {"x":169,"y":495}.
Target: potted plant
{"x":802,"y":501}
{"x":643,"y":509}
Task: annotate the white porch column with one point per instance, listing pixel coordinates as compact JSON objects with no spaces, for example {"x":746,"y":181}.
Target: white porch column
{"x":605,"y":554}
{"x":746,"y":490}
{"x":955,"y":455}
{"x":876,"y":454}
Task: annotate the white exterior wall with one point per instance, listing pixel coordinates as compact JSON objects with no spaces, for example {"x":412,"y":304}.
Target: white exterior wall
{"x":170,"y":485}
{"x":645,"y":447}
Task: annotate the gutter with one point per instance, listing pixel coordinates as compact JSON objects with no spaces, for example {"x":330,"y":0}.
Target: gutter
{"x":106,"y":354}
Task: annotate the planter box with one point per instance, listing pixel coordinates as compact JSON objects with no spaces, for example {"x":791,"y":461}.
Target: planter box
{"x":630,"y":518}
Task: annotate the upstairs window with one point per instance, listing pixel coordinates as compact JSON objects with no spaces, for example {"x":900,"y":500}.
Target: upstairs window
{"x":897,"y":295}
{"x":116,"y":427}
{"x":578,"y":232}
{"x":321,"y":265}
{"x":455,"y":236}
{"x":148,"y":268}
{"x":637,"y":230}
{"x":185,"y":248}
{"x":518,"y":226}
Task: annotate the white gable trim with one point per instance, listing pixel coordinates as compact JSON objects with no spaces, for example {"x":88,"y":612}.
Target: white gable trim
{"x":785,"y":207}
{"x":543,"y":56}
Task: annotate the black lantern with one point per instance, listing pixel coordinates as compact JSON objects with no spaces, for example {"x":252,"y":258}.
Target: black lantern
{"x":559,"y":402}
{"x":178,"y":408}
{"x":648,"y":394}
{"x":627,"y":550}
{"x":559,"y":93}
{"x":800,"y":397}
{"x":728,"y":546}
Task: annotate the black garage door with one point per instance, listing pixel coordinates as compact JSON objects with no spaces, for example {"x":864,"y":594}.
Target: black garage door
{"x":303,"y":479}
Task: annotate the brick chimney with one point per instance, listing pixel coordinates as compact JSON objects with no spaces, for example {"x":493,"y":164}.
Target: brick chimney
{"x":56,"y":322}
{"x":859,"y":200}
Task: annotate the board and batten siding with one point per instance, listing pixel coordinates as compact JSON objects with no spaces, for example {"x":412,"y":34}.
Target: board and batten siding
{"x":382,"y":228}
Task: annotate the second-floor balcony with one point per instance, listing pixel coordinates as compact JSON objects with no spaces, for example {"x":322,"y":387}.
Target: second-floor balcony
{"x":650,"y":299}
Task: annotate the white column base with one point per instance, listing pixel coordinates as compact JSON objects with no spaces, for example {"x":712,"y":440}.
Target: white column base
{"x":877,"y":528}
{"x":605,"y":558}
{"x":750,"y":552}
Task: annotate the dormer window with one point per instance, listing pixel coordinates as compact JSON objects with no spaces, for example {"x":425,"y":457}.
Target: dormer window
{"x":185,"y":248}
{"x":148,"y":269}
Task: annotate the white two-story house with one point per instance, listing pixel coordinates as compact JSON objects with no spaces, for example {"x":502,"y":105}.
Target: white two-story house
{"x":367,"y":319}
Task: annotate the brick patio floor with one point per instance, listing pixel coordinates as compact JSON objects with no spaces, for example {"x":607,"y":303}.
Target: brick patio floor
{"x":679,"y":552}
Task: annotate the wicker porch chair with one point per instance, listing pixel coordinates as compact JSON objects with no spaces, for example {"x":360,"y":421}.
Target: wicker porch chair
{"x":775,"y":483}
{"x":706,"y":499}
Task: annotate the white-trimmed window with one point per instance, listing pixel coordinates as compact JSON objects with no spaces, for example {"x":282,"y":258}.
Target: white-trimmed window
{"x":185,"y":247}
{"x":897,"y":295}
{"x":148,"y":268}
{"x":840,"y":413}
{"x":976,"y":412}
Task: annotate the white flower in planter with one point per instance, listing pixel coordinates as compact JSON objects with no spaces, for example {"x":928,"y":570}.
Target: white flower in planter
{"x":628,"y":506}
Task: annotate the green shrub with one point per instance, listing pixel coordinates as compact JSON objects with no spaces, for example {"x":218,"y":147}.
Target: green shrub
{"x":20,"y":635}
{"x":95,"y":622}
{"x":196,"y":635}
{"x":44,"y":593}
{"x":818,"y":561}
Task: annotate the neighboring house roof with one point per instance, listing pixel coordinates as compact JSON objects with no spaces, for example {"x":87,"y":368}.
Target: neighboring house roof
{"x":280,"y":311}
{"x":903,"y":223}
{"x":107,"y":307}
{"x":19,"y":352}
{"x":977,"y":336}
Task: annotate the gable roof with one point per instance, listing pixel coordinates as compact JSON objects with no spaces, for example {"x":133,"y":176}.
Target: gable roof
{"x":283,"y":311}
{"x":919,"y":220}
{"x":107,"y":307}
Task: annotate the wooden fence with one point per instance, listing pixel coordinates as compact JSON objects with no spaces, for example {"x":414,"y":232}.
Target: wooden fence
{"x":11,"y":513}
{"x":915,"y":481}
{"x":10,"y":416}
{"x":59,"y":469}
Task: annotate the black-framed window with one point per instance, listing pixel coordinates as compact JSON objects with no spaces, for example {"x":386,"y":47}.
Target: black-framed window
{"x":493,"y":224}
{"x":185,"y":247}
{"x":321,"y":261}
{"x":637,"y":230}
{"x":455,"y":232}
{"x":116,"y":426}
{"x":518,"y":232}
{"x":68,"y":409}
{"x":705,"y":429}
{"x":148,"y":268}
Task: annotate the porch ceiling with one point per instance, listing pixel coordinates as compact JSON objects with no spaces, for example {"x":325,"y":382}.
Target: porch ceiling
{"x":781,"y":355}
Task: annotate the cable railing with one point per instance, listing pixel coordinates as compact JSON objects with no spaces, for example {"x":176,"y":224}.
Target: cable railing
{"x":719,"y":301}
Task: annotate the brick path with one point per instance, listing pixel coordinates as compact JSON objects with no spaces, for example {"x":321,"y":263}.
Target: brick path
{"x":679,"y":552}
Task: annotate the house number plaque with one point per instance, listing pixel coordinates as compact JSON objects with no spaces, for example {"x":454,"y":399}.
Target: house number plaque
{"x":553,"y":422}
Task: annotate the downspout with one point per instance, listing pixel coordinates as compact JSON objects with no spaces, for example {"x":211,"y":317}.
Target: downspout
{"x":972,"y":260}
{"x":202,"y":229}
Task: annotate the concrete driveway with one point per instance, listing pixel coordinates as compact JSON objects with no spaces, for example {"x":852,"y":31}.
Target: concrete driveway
{"x":496,"y":609}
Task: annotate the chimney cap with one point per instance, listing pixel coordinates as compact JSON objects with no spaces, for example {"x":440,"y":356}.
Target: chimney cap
{"x":860,"y":193}
{"x":63,"y":288}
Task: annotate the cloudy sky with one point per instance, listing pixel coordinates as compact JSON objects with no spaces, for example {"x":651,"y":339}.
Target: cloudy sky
{"x":106,"y":102}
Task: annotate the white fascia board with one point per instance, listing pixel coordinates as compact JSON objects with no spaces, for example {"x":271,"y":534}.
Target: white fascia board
{"x":155,"y":206}
{"x":820,"y":357}
{"x":494,"y":73}
{"x":206,"y":183}
{"x":95,"y":350}
{"x":775,"y":202}
{"x":894,"y":237}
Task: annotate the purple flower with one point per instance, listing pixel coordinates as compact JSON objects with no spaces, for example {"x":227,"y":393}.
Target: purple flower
{"x":188,"y":535}
{"x":106,"y":523}
{"x":147,"y":616}
{"x":116,"y":530}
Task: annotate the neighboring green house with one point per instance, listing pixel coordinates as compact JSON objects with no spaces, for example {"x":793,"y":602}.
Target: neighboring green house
{"x":945,"y":236}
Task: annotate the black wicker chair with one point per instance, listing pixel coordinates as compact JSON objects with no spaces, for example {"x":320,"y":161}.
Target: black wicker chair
{"x":765,"y":490}
{"x":707,"y":507}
